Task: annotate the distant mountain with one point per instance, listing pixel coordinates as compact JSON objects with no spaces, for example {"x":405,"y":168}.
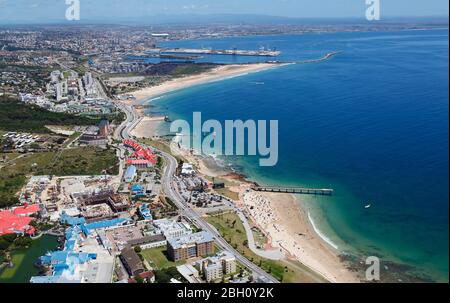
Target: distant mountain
{"x":221,"y":19}
{"x":232,"y":19}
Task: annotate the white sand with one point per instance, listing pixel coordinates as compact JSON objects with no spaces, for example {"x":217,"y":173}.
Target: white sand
{"x":147,"y":127}
{"x":219,"y":73}
{"x":278,"y":215}
{"x":287,"y":226}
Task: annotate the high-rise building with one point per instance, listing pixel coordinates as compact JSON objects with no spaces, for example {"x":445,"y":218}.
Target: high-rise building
{"x":58,"y":92}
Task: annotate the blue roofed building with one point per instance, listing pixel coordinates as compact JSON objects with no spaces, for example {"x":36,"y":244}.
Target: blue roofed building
{"x":138,"y":191}
{"x":83,"y":259}
{"x":144,"y":211}
{"x":69,"y":220}
{"x":88,"y":228}
{"x":137,"y":188}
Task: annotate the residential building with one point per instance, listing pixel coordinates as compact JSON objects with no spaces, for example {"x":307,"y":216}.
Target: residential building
{"x":190,"y":246}
{"x":214,"y":268}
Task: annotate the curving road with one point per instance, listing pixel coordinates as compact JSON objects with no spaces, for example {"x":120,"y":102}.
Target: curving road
{"x":123,"y":132}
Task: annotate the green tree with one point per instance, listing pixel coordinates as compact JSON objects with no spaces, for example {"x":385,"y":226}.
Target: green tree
{"x":139,"y":279}
{"x":162,"y":277}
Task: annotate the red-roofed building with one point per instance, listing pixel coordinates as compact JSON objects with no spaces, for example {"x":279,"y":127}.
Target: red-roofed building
{"x":17,"y":220}
{"x":141,"y":153}
{"x":11,"y":223}
{"x":26,"y":210}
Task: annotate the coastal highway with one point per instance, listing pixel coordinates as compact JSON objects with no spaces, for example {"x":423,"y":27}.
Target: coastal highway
{"x":123,"y":132}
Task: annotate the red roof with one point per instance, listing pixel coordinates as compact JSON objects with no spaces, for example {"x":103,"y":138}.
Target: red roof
{"x":147,"y":274}
{"x":26,"y":210}
{"x":12,"y":223}
{"x":140,"y":152}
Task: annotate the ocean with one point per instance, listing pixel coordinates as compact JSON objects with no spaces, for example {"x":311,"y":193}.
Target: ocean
{"x":371,"y":123}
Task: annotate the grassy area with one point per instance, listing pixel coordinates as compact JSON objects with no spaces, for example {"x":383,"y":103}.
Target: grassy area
{"x":14,"y":175}
{"x":71,"y":139}
{"x":19,"y":117}
{"x":228,"y":193}
{"x":82,"y":161}
{"x":69,"y":162}
{"x":230,"y":227}
{"x":260,"y":238}
{"x":192,"y":69}
{"x":157,"y":258}
{"x":157,"y":144}
{"x":80,"y":69}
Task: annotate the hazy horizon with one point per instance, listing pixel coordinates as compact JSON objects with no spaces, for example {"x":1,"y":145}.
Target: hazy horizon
{"x":163,"y":11}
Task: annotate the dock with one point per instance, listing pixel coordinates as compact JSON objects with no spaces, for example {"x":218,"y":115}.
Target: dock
{"x":294,"y":190}
{"x":232,"y":52}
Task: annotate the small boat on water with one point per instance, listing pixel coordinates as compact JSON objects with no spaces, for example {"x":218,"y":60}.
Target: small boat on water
{"x":368,"y":206}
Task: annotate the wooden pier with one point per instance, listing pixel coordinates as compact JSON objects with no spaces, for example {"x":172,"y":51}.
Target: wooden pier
{"x":294,"y":190}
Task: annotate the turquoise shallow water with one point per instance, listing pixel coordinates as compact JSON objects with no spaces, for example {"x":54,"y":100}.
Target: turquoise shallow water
{"x":372,"y":123}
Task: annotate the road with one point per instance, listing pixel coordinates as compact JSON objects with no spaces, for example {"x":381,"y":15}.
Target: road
{"x":123,"y":132}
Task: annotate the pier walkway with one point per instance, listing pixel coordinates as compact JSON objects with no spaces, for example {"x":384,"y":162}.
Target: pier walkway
{"x":294,"y":190}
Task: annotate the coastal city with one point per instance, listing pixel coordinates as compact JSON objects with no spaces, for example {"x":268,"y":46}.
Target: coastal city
{"x":94,"y":188}
{"x":144,"y":211}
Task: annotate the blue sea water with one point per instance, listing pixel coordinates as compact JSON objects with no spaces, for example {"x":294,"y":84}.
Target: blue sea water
{"x":371,"y":123}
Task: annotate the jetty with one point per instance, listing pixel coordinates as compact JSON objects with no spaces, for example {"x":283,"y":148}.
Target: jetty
{"x":294,"y":190}
{"x":324,"y":58}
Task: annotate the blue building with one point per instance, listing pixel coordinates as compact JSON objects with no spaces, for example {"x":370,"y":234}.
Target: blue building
{"x":87,"y":228}
{"x":72,"y":221}
{"x":144,"y":210}
{"x":64,"y":263}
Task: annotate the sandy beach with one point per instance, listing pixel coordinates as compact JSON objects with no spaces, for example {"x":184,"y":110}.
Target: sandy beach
{"x":147,"y":127}
{"x":219,"y":73}
{"x":287,"y":226}
{"x":279,"y":216}
{"x":284,"y":222}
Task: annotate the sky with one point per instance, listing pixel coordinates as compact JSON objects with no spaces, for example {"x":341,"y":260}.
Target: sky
{"x":97,"y":10}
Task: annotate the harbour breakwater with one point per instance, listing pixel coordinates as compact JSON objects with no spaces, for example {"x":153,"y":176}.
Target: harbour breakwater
{"x":324,"y":58}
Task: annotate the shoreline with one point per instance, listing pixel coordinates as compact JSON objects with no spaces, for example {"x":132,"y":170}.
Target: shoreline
{"x":148,"y":125}
{"x":219,"y":73}
{"x":291,"y":229}
{"x":287,"y":226}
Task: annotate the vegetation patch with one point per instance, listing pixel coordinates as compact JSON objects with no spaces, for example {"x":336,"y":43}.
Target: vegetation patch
{"x":232,"y":230}
{"x":78,"y":161}
{"x":20,"y":117}
{"x":158,"y":258}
